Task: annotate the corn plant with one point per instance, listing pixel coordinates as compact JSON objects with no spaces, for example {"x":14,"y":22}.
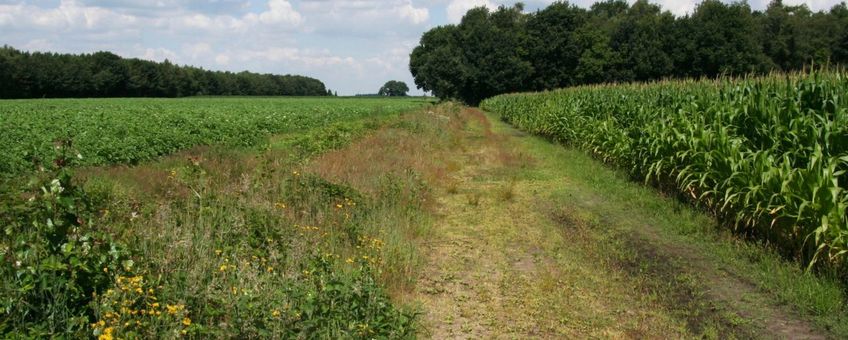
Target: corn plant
{"x":768,"y":154}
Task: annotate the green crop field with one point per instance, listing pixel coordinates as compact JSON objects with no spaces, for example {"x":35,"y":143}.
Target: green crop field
{"x":107,"y":131}
{"x":233,"y":237}
{"x":767,"y":155}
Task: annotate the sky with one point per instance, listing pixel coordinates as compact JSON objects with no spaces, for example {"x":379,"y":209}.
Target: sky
{"x":353,"y":46}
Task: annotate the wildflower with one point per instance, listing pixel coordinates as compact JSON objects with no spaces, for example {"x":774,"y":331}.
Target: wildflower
{"x":339,"y":206}
{"x":349,"y":260}
{"x":174,"y":309}
{"x":218,"y":252}
{"x":187,"y":321}
{"x":223,"y":268}
{"x":105,"y":269}
{"x":107,"y":334}
{"x":269,"y":269}
{"x":275,"y":313}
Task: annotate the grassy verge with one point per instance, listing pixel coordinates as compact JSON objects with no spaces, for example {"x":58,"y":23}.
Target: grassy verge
{"x":685,"y":258}
{"x":222,"y":242}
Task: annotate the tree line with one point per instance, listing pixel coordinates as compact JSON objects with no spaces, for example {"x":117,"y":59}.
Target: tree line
{"x":104,"y":74}
{"x":562,"y":45}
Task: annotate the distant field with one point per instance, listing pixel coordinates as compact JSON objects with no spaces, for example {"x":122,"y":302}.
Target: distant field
{"x":107,"y":131}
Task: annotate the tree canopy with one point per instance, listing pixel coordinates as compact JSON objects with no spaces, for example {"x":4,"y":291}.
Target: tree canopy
{"x":104,"y":74}
{"x":394,"y":88}
{"x":508,"y":50}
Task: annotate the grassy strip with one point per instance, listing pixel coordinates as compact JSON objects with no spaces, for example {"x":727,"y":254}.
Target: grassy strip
{"x":625,"y":211}
{"x":765,"y":155}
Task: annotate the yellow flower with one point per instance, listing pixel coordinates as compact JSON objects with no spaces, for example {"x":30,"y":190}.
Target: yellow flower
{"x":218,"y":252}
{"x":174,"y":309}
{"x":349,"y":260}
{"x":223,"y":268}
{"x":187,"y":321}
{"x":275,"y":313}
{"x":339,"y":206}
{"x":105,"y":337}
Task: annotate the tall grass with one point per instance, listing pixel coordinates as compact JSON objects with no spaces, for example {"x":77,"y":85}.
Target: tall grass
{"x":768,"y":154}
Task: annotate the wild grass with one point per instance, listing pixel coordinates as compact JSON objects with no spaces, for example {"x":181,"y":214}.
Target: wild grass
{"x":311,"y":235}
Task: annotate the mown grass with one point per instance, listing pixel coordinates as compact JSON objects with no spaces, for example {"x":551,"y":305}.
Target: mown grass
{"x":766,"y":155}
{"x":620,"y":216}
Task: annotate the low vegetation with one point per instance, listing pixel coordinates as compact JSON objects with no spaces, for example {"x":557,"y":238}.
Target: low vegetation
{"x":127,"y":131}
{"x":215,"y":241}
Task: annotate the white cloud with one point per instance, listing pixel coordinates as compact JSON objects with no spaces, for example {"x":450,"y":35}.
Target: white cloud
{"x":197,"y":51}
{"x":279,"y":12}
{"x":365,"y":17}
{"x":159,"y":54}
{"x":69,"y":14}
{"x":222,"y":59}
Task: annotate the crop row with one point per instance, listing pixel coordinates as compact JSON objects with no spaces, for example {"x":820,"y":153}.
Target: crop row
{"x":766,"y":154}
{"x":126,"y":131}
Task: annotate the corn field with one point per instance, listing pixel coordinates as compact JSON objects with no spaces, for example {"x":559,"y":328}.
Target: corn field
{"x":768,"y":154}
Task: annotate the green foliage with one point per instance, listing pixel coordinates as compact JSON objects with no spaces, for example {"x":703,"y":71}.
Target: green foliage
{"x":227,"y":243}
{"x":329,"y":304}
{"x":393,"y":88}
{"x":103,"y":74}
{"x":109,"y":131}
{"x":54,"y":258}
{"x":768,"y":154}
{"x":562,"y":45}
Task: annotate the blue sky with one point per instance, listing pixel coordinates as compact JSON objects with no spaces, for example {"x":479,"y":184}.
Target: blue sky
{"x":354,"y":46}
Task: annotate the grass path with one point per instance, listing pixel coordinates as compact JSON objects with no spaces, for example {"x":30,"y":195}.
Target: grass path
{"x":536,"y":240}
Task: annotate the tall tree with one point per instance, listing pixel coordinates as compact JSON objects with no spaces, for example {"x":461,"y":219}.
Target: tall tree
{"x":104,"y":74}
{"x":725,"y":40}
{"x":641,"y":38}
{"x":507,"y":50}
{"x":437,"y":63}
{"x":554,"y":45}
{"x":394,"y":88}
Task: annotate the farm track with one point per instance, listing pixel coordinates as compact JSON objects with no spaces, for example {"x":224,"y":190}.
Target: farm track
{"x":522,"y":248}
